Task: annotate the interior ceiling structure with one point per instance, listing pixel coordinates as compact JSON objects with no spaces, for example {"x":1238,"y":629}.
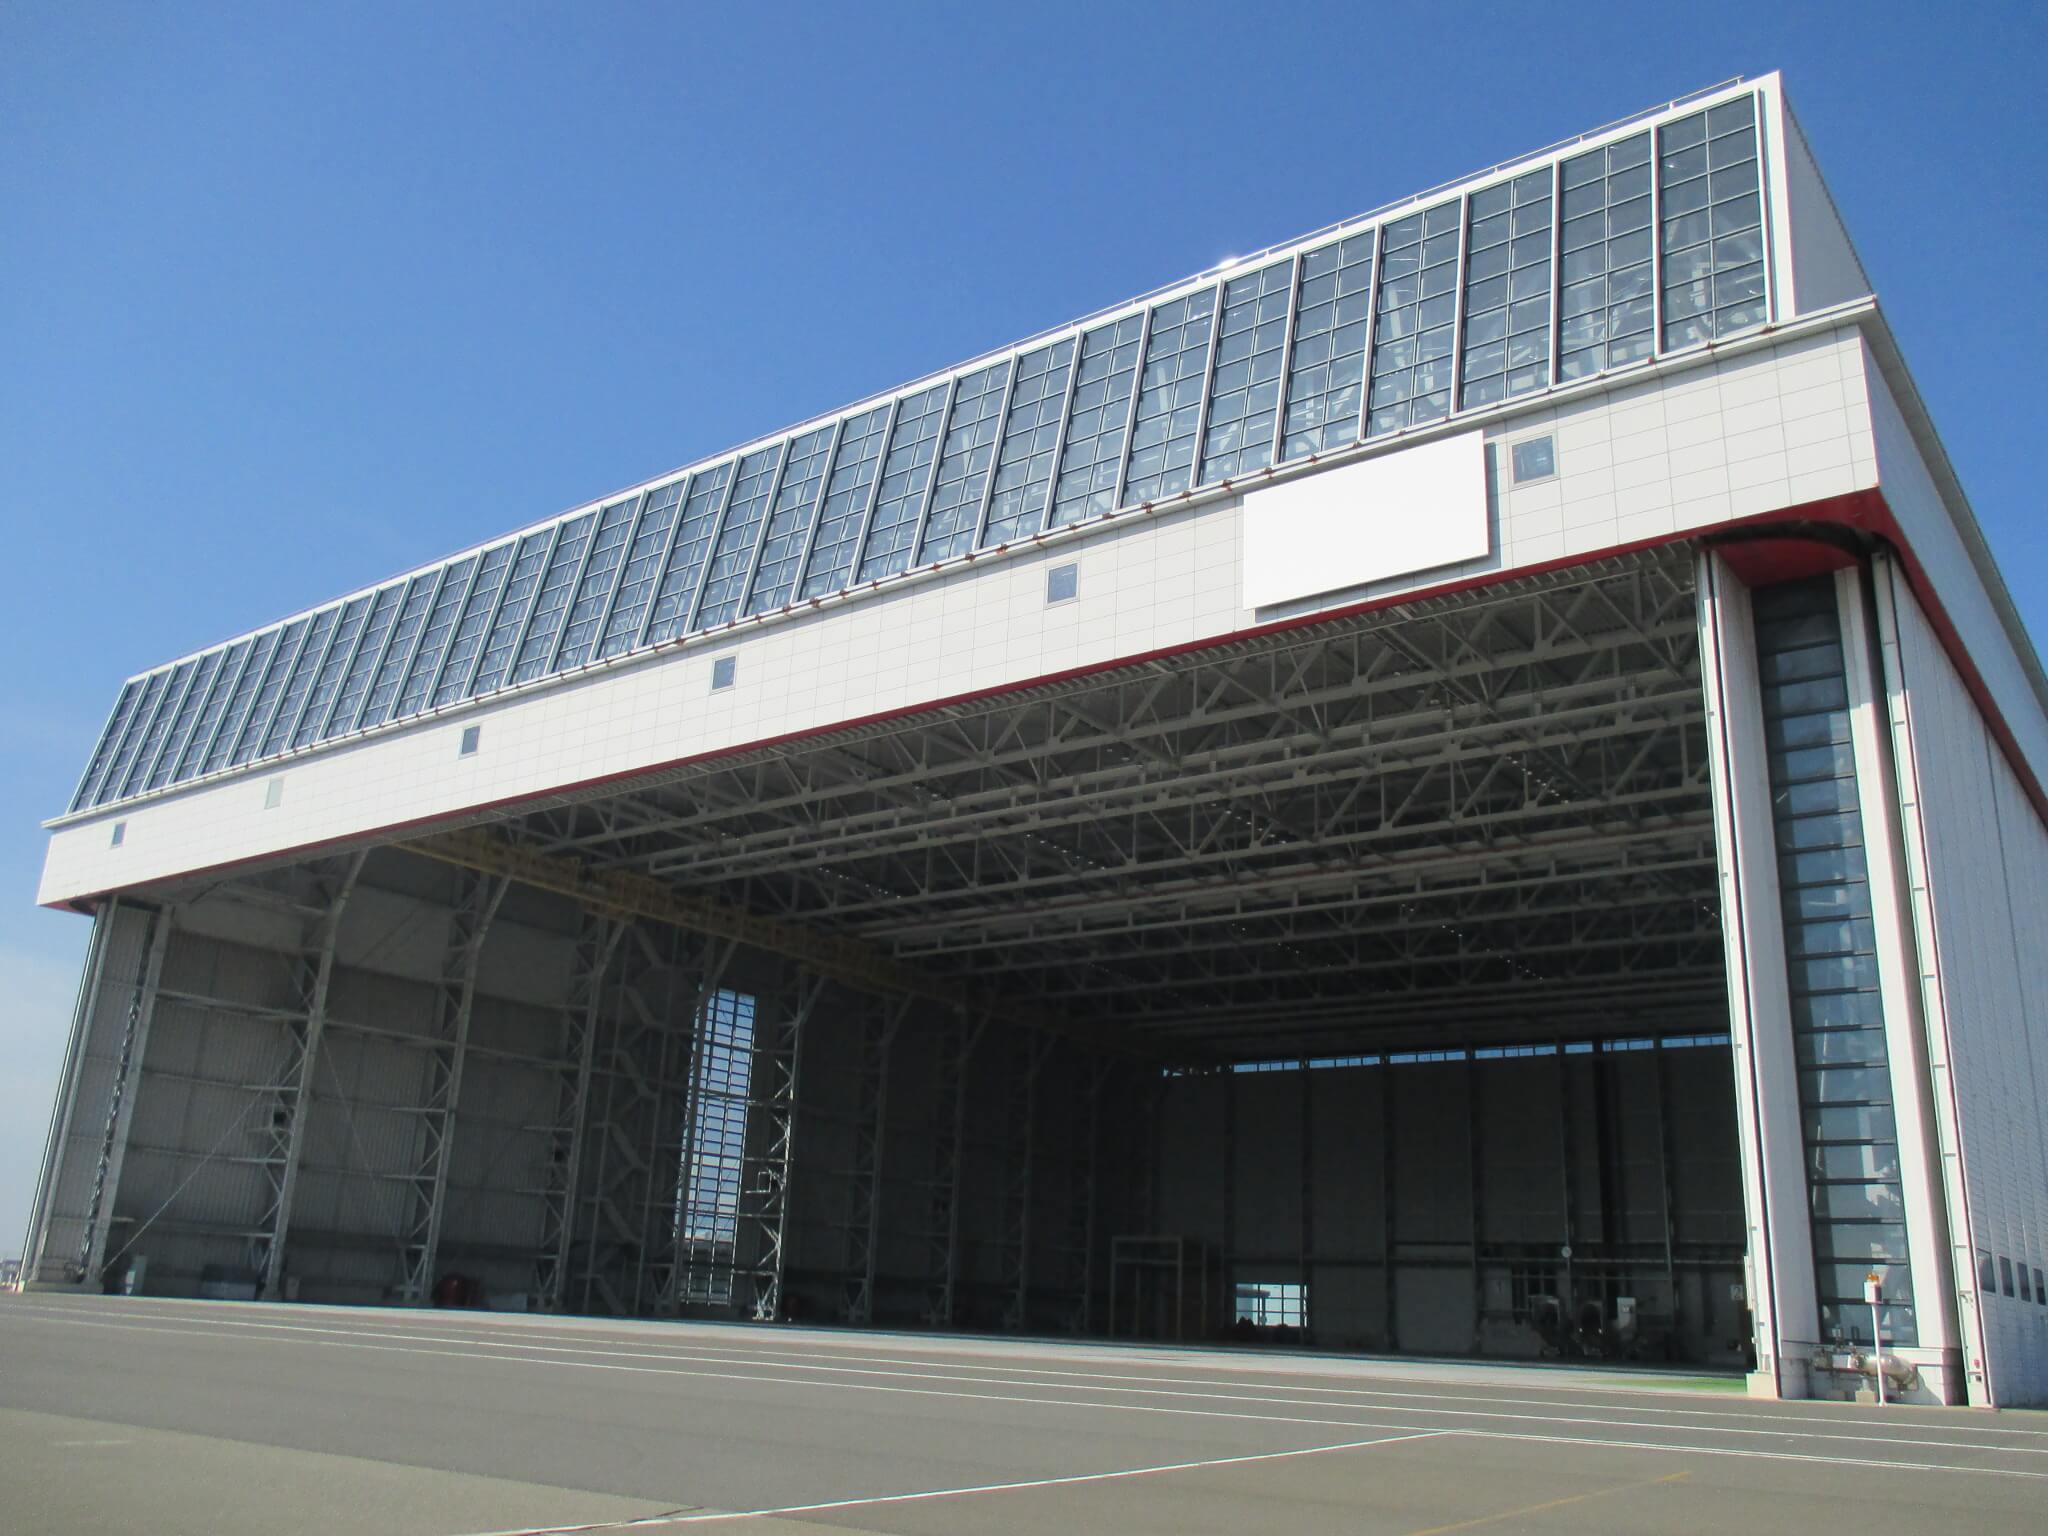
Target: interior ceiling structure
{"x":1478,"y":816}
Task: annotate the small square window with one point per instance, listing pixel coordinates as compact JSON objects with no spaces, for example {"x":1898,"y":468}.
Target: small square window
{"x":1062,"y":583}
{"x":724,"y":672}
{"x":1270,"y":1304}
{"x":471,"y":736}
{"x":1534,"y":458}
{"x":120,"y":835}
{"x":273,"y":794}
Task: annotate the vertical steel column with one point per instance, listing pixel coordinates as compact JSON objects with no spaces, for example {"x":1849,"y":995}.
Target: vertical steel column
{"x":597,"y":940}
{"x":956,"y":1052}
{"x":1227,"y":1248}
{"x":469,"y":922}
{"x":1475,"y":1197}
{"x":1085,"y":1212}
{"x":1308,"y":1197}
{"x":36,"y":1236}
{"x":315,"y":969}
{"x":1564,"y":1153}
{"x":764,"y":1199}
{"x":99,"y":1206}
{"x":1023,"y":1140}
{"x":1667,"y":1159}
{"x":1388,"y":1186}
{"x":870,"y":1135}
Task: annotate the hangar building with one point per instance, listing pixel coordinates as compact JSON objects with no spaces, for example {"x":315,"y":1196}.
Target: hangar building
{"x":1466,"y":784}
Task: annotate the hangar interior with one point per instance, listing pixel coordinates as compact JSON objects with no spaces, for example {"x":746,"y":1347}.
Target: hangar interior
{"x":1358,"y":985}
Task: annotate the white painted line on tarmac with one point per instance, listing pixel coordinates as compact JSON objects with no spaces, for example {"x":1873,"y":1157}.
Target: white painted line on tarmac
{"x":708,"y":1517}
{"x":521,"y":1350}
{"x":320,"y":1341}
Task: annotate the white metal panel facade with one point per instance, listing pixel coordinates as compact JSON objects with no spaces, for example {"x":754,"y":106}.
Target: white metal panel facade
{"x":1985,"y":871}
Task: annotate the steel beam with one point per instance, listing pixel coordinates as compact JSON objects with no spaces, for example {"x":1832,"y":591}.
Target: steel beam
{"x":597,"y":942}
{"x":469,"y":923}
{"x":765,"y":1177}
{"x":142,"y":1000}
{"x":949,"y":1141}
{"x":313,"y":970}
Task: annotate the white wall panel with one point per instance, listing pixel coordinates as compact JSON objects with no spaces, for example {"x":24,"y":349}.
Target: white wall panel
{"x":1753,"y":429}
{"x":1985,"y":879}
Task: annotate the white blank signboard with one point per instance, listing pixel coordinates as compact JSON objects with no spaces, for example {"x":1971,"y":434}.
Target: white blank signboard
{"x":1401,"y":512}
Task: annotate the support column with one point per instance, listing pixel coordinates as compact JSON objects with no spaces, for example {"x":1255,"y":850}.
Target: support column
{"x":597,"y":940}
{"x":99,"y":1206}
{"x":1084,"y":1212}
{"x":315,"y":969}
{"x":469,"y":922}
{"x":37,"y":1236}
{"x":956,"y":1051}
{"x":1023,"y":1141}
{"x":1916,"y":1019}
{"x":870,"y":1139}
{"x":1779,"y":1269}
{"x":764,"y":1183}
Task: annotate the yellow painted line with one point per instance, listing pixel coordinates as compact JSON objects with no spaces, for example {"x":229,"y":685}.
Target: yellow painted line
{"x":1532,"y":1509}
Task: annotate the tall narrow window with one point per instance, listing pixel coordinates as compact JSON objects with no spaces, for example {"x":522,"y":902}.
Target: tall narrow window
{"x":964,"y":466}
{"x":847,"y":495}
{"x":733,"y":553}
{"x":517,"y":601}
{"x":1606,"y":311}
{"x":1845,"y":1093}
{"x":1416,"y":320}
{"x":714,"y":1148}
{"x":1326,"y":369}
{"x":906,"y":474}
{"x":1170,"y":399}
{"x":1244,"y":391}
{"x":686,"y":557}
{"x":1094,"y":451}
{"x":1713,"y":224}
{"x":594,"y":589}
{"x":551,"y":599}
{"x":643,"y":569}
{"x":790,"y":520}
{"x":1031,"y":431}
{"x":1507,"y":291}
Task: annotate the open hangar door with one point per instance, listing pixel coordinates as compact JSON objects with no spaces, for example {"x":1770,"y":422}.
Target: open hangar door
{"x":1358,"y":984}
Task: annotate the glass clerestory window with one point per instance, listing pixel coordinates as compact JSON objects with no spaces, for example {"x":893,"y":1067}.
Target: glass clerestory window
{"x":1415,"y":324}
{"x":1170,"y":389}
{"x":906,"y":477}
{"x":1606,"y":303}
{"x":642,"y":569}
{"x":1712,"y":231}
{"x":964,"y":464}
{"x":680,"y":578}
{"x":1506,"y":333}
{"x":847,"y":495}
{"x":1325,"y":372}
{"x":1548,"y":277}
{"x":1031,"y":433}
{"x":790,"y":519}
{"x":1092,"y":457}
{"x":1244,"y":391}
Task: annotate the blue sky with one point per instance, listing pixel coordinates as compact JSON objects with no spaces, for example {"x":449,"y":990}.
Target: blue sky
{"x":293,"y":298}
